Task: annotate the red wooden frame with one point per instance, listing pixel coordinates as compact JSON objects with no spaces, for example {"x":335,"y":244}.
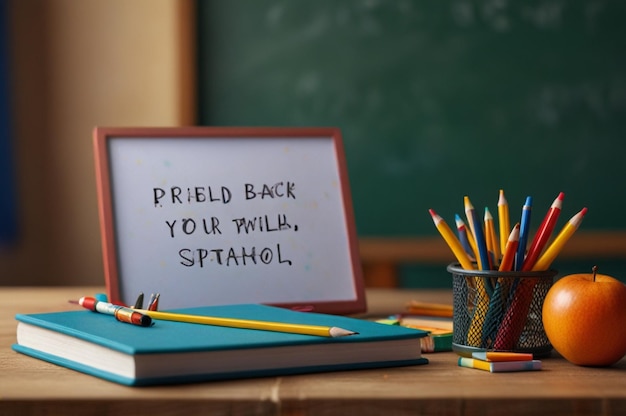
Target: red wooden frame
{"x":101,"y":137}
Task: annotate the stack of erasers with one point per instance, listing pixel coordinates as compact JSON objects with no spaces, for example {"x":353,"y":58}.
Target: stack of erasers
{"x":500,"y":362}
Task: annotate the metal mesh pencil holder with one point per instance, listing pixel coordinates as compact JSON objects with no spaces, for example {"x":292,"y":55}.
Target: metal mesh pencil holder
{"x":499,"y":311}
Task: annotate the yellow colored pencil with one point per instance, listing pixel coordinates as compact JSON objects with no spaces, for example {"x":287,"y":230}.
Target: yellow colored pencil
{"x":553,"y":250}
{"x":518,"y":310}
{"x":481,"y":306}
{"x":504,"y":221}
{"x":452,"y":241}
{"x":483,"y":288}
{"x":415,"y":307}
{"x":493,"y":245}
{"x":318,"y":330}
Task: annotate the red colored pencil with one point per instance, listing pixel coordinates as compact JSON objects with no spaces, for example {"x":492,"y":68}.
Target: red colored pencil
{"x":543,"y":233}
{"x":506,"y":265}
{"x":518,"y":310}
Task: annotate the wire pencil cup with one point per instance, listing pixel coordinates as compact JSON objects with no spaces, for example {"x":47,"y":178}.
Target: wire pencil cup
{"x":495,"y":310}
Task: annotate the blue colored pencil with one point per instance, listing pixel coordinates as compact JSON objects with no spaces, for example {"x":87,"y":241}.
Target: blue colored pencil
{"x":524,"y":230}
{"x":479,"y":235}
{"x":463,"y":238}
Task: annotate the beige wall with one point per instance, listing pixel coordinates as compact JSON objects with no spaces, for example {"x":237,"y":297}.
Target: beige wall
{"x":78,"y":64}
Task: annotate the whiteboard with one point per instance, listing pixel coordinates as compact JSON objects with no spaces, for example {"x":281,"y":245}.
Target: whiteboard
{"x":209,"y":216}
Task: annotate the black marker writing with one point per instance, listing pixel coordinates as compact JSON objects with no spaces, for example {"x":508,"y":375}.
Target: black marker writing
{"x":262,"y":223}
{"x":189,"y":226}
{"x":278,"y":190}
{"x":232,"y":257}
{"x":196,"y":194}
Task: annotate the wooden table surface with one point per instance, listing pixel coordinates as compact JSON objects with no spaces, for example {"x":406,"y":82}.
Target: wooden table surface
{"x":29,"y":386}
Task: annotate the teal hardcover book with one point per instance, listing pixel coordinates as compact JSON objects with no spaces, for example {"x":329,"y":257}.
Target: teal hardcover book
{"x":174,"y":352}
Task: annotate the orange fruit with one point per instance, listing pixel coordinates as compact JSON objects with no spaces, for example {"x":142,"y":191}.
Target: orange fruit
{"x":584,"y":316}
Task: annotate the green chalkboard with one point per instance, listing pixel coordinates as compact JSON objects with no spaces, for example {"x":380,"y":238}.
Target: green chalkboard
{"x":435,"y":99}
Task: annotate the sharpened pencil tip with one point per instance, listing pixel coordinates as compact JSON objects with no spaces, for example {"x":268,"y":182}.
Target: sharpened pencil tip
{"x":340,"y":332}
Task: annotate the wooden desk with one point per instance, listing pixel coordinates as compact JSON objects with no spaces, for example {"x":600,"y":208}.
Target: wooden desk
{"x":29,"y":386}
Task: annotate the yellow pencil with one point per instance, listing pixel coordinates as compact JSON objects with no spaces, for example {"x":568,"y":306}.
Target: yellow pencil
{"x":508,"y":258}
{"x":415,"y":307}
{"x":481,"y":307}
{"x":318,"y":330}
{"x":472,"y":241}
{"x":504,"y":221}
{"x":518,"y":310}
{"x":452,"y":241}
{"x":553,"y":250}
{"x":492,"y":240}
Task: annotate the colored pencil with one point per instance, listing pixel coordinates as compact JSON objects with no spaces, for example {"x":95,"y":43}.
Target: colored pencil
{"x":461,"y":230}
{"x":487,"y":295}
{"x":553,"y":250}
{"x":317,"y":330}
{"x":482,"y":299}
{"x":504,"y":221}
{"x":415,"y":307}
{"x":501,"y":290}
{"x":517,"y":313}
{"x":479,"y":236}
{"x":452,"y":241}
{"x":543,"y":233}
{"x":511,"y":249}
{"x":493,"y":245}
{"x":483,"y":286}
{"x":524,"y":230}
{"x":472,"y":241}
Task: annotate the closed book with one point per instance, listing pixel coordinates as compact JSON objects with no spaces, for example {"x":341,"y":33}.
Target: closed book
{"x":176,"y":352}
{"x":437,"y":342}
{"x":436,"y":339}
{"x":440,"y":331}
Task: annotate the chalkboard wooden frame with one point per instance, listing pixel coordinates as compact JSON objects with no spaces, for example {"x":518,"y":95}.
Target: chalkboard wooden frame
{"x":348,"y":295}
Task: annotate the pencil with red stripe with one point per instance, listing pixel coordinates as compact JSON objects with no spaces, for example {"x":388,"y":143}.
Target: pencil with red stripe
{"x":464,"y":237}
{"x":543,"y":233}
{"x":452,"y":241}
{"x":518,"y":311}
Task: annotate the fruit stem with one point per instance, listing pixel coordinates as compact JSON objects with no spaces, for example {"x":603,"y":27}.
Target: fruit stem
{"x":595,"y":270}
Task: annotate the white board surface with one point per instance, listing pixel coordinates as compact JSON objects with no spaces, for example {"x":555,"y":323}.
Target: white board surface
{"x":258,"y":218}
